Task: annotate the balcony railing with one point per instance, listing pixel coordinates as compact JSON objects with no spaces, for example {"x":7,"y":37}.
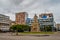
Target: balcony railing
{"x":46,"y":23}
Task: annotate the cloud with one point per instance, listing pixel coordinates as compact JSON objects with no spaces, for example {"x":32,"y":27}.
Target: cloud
{"x":10,"y":7}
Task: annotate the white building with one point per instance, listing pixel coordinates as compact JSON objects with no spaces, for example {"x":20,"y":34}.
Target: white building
{"x":4,"y":22}
{"x":47,"y":20}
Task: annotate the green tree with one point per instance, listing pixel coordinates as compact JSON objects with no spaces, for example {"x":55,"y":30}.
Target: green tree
{"x":48,"y":28}
{"x":20,"y":28}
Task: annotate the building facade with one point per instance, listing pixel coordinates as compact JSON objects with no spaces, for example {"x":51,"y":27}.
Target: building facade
{"x":13,"y":23}
{"x":58,"y":27}
{"x":29,"y":21}
{"x":4,"y":23}
{"x":21,"y":18}
{"x":46,"y":20}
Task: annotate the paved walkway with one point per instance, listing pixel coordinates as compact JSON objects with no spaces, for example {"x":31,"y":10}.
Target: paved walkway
{"x":7,"y":36}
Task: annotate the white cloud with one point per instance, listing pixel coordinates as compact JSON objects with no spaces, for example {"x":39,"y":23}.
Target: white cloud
{"x":10,"y":7}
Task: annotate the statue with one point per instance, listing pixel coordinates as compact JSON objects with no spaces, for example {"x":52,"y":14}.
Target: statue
{"x":35,"y":24}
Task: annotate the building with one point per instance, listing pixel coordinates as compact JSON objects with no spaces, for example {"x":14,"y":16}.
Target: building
{"x":29,"y":21}
{"x":4,"y":23}
{"x":46,"y":20}
{"x":21,"y":18}
{"x":58,"y":27}
{"x":13,"y":23}
{"x":35,"y":24}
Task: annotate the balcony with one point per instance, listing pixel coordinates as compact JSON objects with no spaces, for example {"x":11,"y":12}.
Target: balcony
{"x":7,"y":22}
{"x":46,"y":23}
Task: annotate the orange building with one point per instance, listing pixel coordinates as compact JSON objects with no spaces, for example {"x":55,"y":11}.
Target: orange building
{"x":21,"y":18}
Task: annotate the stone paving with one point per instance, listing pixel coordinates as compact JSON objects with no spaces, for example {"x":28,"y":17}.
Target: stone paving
{"x":8,"y":36}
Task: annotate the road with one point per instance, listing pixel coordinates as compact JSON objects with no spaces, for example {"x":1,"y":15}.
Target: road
{"x":8,"y":36}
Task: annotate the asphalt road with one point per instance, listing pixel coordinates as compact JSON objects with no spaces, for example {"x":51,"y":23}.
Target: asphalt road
{"x":8,"y":36}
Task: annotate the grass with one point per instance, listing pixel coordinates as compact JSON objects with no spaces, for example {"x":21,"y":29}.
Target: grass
{"x":37,"y":32}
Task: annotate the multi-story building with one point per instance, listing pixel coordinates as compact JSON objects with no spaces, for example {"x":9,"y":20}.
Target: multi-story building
{"x":58,"y":27}
{"x":4,"y":22}
{"x":46,"y":20}
{"x":29,"y":21}
{"x":21,"y":18}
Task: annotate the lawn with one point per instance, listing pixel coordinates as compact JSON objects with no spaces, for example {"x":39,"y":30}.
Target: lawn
{"x":36,"y":32}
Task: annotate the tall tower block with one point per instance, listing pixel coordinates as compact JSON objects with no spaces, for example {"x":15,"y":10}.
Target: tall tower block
{"x":21,"y":18}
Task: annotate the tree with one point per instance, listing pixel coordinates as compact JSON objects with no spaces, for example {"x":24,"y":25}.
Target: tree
{"x":48,"y":28}
{"x":19,"y":28}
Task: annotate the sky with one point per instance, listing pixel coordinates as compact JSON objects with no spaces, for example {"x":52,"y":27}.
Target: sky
{"x":10,"y":7}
